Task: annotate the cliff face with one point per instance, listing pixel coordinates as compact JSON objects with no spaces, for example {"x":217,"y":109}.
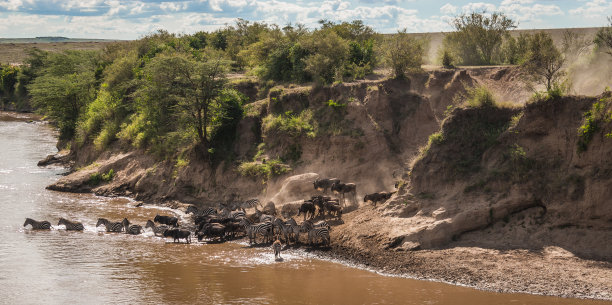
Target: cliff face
{"x":492,"y":177}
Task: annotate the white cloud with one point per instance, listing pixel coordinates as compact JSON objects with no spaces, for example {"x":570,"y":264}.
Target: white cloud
{"x":448,"y":9}
{"x":478,"y":7}
{"x":595,"y":9}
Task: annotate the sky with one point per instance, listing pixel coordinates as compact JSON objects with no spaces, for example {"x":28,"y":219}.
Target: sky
{"x":132,"y":19}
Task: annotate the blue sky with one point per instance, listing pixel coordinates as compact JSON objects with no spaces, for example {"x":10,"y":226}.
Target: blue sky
{"x":131,"y":19}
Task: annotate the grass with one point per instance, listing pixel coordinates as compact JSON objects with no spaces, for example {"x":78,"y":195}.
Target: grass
{"x":264,"y":170}
{"x":478,"y":96}
{"x":593,"y":120}
{"x":97,"y":178}
{"x":290,"y":124}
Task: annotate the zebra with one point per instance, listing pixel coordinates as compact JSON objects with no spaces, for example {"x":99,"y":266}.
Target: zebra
{"x":126,"y":224}
{"x":252,"y":230}
{"x":293,"y":229}
{"x":37,"y":225}
{"x":266,"y":217}
{"x":237,"y":215}
{"x":110,"y":226}
{"x":71,"y":226}
{"x":133,"y":229}
{"x":156,"y":229}
{"x":203,"y":212}
{"x":309,"y":225}
{"x":281,"y":228}
{"x":321,"y":233}
{"x":251,"y":203}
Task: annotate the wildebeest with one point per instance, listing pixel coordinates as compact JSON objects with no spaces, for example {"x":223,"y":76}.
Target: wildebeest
{"x":377,"y":197}
{"x":307,"y":207}
{"x":343,"y":188}
{"x":167,"y":220}
{"x":324,"y":184}
{"x":177,"y":234}
{"x":333,"y":209}
{"x":212,"y":230}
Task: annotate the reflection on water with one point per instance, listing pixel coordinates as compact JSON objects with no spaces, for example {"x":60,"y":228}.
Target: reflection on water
{"x":96,"y":267}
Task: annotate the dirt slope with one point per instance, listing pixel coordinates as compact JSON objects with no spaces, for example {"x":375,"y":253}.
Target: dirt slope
{"x":492,"y":182}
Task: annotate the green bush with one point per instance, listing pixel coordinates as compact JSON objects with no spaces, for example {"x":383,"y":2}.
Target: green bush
{"x":265,"y":170}
{"x":290,"y":124}
{"x":593,"y":120}
{"x":403,"y":53}
{"x":97,"y":178}
{"x":478,"y":37}
{"x":479,"y":96}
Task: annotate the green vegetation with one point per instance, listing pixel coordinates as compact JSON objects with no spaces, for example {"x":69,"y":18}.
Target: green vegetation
{"x":593,"y":121}
{"x":543,"y":61}
{"x":264,"y":170}
{"x":478,"y":37}
{"x":8,"y":80}
{"x":290,"y":124}
{"x":97,"y":178}
{"x":167,"y":92}
{"x":404,"y":53}
{"x":479,"y":96}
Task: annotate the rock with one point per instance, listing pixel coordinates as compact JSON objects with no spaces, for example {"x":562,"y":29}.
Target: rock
{"x":52,"y":159}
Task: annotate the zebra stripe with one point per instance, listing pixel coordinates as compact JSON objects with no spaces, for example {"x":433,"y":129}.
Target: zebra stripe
{"x":317,"y":234}
{"x":266,"y":217}
{"x":70,"y":225}
{"x":110,"y":226}
{"x":134,"y":229}
{"x":281,"y":228}
{"x":294,"y":229}
{"x":156,"y":229}
{"x":252,"y":230}
{"x":37,"y":225}
{"x":251,"y":203}
{"x":236,"y":215}
{"x":203,"y":212}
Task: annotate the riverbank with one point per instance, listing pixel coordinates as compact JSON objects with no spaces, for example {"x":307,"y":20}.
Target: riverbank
{"x":550,"y":271}
{"x":493,"y":197}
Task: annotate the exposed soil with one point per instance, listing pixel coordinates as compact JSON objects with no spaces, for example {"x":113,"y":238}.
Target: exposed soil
{"x":500,"y":201}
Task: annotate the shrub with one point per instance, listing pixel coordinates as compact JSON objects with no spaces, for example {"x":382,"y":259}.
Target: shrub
{"x":543,"y":62}
{"x":478,"y":96}
{"x":265,"y":170}
{"x":403,"y":53}
{"x":603,"y":39}
{"x":290,"y":124}
{"x":592,"y":123}
{"x":97,"y":178}
{"x":447,"y":60}
{"x":478,"y":37}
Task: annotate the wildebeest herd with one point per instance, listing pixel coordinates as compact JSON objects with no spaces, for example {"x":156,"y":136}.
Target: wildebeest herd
{"x":232,"y":221}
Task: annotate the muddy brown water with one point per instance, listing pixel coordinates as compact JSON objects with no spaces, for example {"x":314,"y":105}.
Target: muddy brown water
{"x":94,"y":267}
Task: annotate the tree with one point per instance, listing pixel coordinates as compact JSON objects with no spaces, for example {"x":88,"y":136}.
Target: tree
{"x":603,"y":39}
{"x":327,"y":54}
{"x":544,"y":61}
{"x":187,"y":88}
{"x":403,"y":53}
{"x":478,"y":36}
{"x":65,"y":84}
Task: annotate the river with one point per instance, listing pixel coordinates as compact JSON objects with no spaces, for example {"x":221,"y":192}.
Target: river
{"x":95,"y":267}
